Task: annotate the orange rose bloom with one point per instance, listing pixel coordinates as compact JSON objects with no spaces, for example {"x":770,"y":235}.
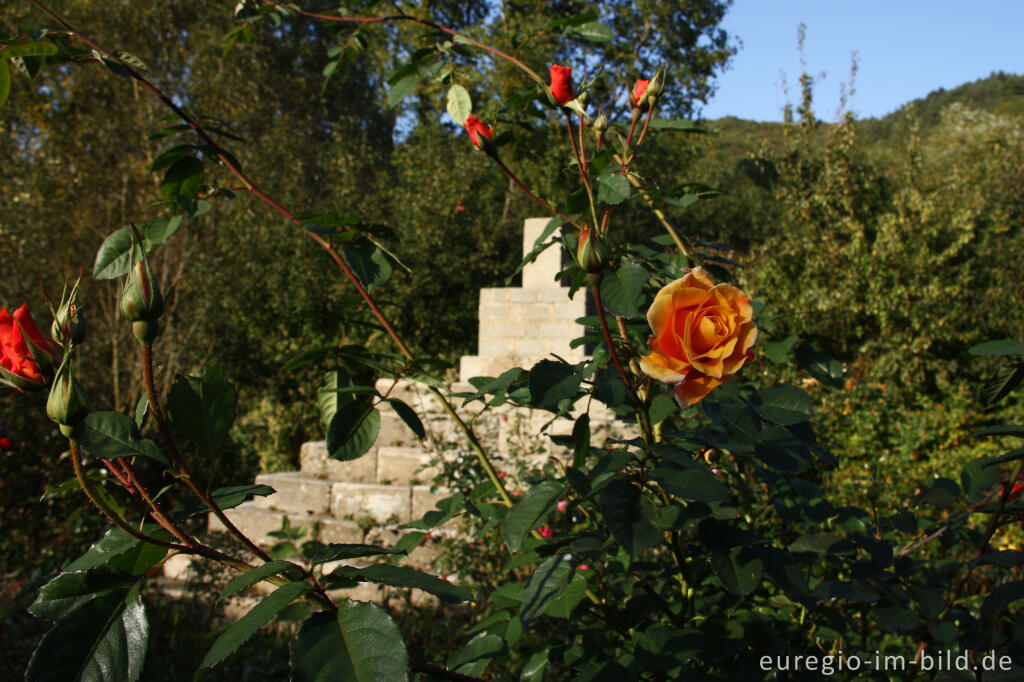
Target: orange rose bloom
{"x":702,"y":335}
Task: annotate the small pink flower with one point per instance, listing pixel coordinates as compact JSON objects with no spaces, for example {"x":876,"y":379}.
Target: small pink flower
{"x":545,"y":532}
{"x":502,"y":474}
{"x":563,"y":505}
{"x":515,"y":493}
{"x":584,"y":567}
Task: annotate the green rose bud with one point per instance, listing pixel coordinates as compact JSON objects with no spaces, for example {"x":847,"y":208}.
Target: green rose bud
{"x":67,"y":404}
{"x":141,"y":302}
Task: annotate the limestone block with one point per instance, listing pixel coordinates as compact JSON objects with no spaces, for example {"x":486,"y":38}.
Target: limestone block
{"x":525,"y":295}
{"x":255,"y":523}
{"x":505,"y":330}
{"x":393,"y":431}
{"x":296,"y":493}
{"x":542,"y":271}
{"x":339,"y":531}
{"x":555,"y":294}
{"x":531,"y":347}
{"x":569,"y":311}
{"x":382,"y":503}
{"x":313,"y":461}
{"x":539,"y":312}
{"x":423,"y":500}
{"x":559,"y":331}
{"x":495,"y":347}
{"x":402,"y":466}
{"x":493,"y":312}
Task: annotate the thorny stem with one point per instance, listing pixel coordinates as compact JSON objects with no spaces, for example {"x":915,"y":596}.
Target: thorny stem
{"x":154,"y":508}
{"x":526,"y":190}
{"x":581,"y":163}
{"x":990,"y":529}
{"x":116,"y":519}
{"x":596,"y":290}
{"x":179,"y":460}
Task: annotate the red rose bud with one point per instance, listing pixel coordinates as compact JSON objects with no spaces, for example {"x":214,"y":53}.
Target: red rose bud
{"x":480,"y":134}
{"x":26,"y":356}
{"x":68,"y":328}
{"x":561,"y":84}
{"x":141,"y":302}
{"x":67,"y":404}
{"x":636,"y":97}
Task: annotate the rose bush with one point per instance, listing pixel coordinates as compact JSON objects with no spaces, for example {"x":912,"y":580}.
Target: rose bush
{"x":24,"y":352}
{"x":703,"y":333}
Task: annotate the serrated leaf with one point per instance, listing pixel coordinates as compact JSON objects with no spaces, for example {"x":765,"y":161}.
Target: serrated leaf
{"x":739,"y":570}
{"x":109,"y":435}
{"x":225,"y":498}
{"x":621,"y":288}
{"x":459,"y":104}
{"x":104,"y":640}
{"x":255,"y":575}
{"x":69,"y":590}
{"x":977,"y":479}
{"x":409,"y":416}
{"x":529,"y":512}
{"x":594,"y":32}
{"x":552,"y":382}
{"x":38,"y":48}
{"x":203,"y":408}
{"x":697,"y":484}
{"x":360,"y":643}
{"x":401,"y":88}
{"x":784,"y":405}
{"x":548,"y":582}
{"x":405,"y":577}
{"x":115,"y":255}
{"x":1008,"y":377}
{"x":170,"y":156}
{"x":484,"y":646}
{"x":630,"y":517}
{"x":336,"y":551}
{"x":247,"y":625}
{"x":369,"y":263}
{"x":120,"y":552}
{"x":1001,"y":347}
{"x":182,"y":179}
{"x":613,"y":188}
{"x":353,"y":430}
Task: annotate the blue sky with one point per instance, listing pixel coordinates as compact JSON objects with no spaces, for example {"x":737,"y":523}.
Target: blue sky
{"x":906,"y":49}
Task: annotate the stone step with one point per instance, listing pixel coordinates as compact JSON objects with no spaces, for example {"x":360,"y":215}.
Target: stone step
{"x":257,"y":524}
{"x":382,"y":504}
{"x":404,"y":465}
{"x":314,"y":462}
{"x":296,"y":493}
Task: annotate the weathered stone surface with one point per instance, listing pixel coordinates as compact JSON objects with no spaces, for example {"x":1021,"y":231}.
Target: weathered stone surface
{"x":254,"y":522}
{"x":339,"y":531}
{"x":381,"y":503}
{"x":314,"y":461}
{"x":296,"y":493}
{"x":404,"y":466}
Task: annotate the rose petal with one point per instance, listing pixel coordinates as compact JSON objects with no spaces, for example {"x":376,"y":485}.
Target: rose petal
{"x":694,"y":388}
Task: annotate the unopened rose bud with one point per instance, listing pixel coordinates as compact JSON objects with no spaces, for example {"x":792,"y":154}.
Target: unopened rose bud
{"x":590,"y":253}
{"x":637,"y":97}
{"x":561,"y":84}
{"x":599,"y":125}
{"x":67,"y":404}
{"x":141,"y":302}
{"x":68,"y":328}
